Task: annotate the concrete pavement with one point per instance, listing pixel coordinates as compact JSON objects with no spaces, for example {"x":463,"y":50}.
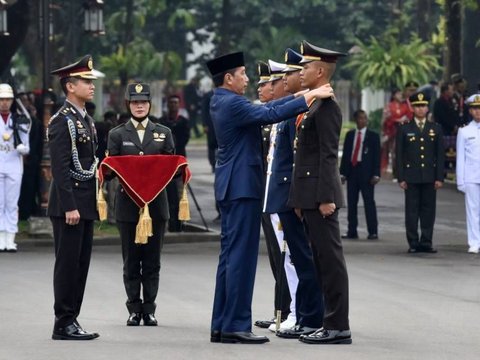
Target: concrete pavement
{"x":420,"y":306}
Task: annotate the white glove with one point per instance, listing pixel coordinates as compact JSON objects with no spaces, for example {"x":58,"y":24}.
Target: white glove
{"x":22,"y":149}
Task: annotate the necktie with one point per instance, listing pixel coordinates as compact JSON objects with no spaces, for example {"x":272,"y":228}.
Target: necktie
{"x":140,"y":126}
{"x":420,"y":125}
{"x":357,"y":149}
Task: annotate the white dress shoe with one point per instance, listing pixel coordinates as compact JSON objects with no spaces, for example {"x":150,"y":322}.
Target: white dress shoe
{"x":473,"y":250}
{"x":287,"y":324}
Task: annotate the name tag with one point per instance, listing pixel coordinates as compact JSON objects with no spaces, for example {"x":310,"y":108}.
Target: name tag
{"x":128,"y":143}
{"x":410,"y":134}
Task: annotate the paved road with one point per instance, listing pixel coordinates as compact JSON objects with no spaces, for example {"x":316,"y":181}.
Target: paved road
{"x":402,"y":306}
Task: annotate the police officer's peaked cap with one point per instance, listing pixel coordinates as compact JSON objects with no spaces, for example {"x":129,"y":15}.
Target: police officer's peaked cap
{"x":276,"y":70}
{"x":457,"y":78}
{"x":411,"y":84}
{"x":473,"y":100}
{"x":82,"y":69}
{"x":138,"y":92}
{"x":225,"y":62}
{"x":263,"y":71}
{"x":419,"y":99}
{"x":311,"y":53}
{"x":6,"y":91}
{"x":293,"y":61}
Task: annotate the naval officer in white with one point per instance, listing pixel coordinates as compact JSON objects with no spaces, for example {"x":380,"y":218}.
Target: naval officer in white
{"x":468,"y":171}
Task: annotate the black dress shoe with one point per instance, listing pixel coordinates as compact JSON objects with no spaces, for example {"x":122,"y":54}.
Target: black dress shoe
{"x":324,"y":336}
{"x":264,"y":324}
{"x":372,"y":237}
{"x":242,"y":337}
{"x":349,"y":236}
{"x":428,"y":249}
{"x":80,"y":329}
{"x":215,"y":336}
{"x":149,"y":320}
{"x":71,"y":332}
{"x":134,"y":319}
{"x":295,"y":332}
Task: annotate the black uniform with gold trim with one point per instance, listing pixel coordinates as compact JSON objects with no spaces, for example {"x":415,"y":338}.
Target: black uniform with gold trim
{"x":141,"y":263}
{"x":72,"y":142}
{"x":420,"y":162}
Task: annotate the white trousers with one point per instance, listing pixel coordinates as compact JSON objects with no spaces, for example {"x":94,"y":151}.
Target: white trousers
{"x":472,"y":207}
{"x":10,"y":184}
{"x":290,"y":271}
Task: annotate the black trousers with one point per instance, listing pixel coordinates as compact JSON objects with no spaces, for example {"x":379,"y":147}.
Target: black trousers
{"x":309,"y":297}
{"x":356,"y":184}
{"x":141,"y":266}
{"x":73,"y":248}
{"x":174,"y":225}
{"x":282,"y":298}
{"x":420,"y":205}
{"x":324,"y":236}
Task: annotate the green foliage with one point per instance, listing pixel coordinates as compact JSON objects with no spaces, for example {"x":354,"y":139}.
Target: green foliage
{"x":375,"y":120}
{"x":385,"y":63}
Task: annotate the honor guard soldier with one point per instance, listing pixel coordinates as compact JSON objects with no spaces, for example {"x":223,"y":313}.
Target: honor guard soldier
{"x":239,"y":189}
{"x":281,"y":294}
{"x":468,"y":171}
{"x":72,"y":204}
{"x":141,"y":262}
{"x":14,"y":144}
{"x":420,"y":156}
{"x":316,"y":194}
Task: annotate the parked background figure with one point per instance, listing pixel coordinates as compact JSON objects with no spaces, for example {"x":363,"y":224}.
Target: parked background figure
{"x":193,"y":102}
{"x":14,"y":145}
{"x":180,"y":128}
{"x":360,"y":169}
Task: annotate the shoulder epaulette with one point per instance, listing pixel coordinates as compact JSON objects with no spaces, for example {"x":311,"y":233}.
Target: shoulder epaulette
{"x":162,"y":127}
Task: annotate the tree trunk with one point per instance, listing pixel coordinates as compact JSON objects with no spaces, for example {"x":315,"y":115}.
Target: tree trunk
{"x":453,"y":32}
{"x":471,"y":37}
{"x":224,"y":30}
{"x":424,"y":8}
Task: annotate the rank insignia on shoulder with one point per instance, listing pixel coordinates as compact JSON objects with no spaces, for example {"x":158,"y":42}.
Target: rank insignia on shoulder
{"x":66,"y":110}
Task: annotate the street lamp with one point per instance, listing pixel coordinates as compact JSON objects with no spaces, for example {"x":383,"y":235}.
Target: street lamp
{"x":94,"y":17}
{"x":3,"y":18}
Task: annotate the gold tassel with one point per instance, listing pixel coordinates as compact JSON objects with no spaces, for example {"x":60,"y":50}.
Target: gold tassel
{"x":101,"y":205}
{"x":144,"y":226}
{"x":184,"y":207}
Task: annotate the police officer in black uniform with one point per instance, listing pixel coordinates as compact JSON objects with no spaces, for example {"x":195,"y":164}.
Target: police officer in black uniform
{"x":72,"y":203}
{"x":420,"y":156}
{"x":141,"y":263}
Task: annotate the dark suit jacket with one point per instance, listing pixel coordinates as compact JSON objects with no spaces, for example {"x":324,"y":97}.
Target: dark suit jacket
{"x":316,"y":179}
{"x":420,"y":155}
{"x":239,"y":169}
{"x":370,"y":155}
{"x":124,"y":140}
{"x":67,"y":193}
{"x":282,"y":167}
{"x":180,"y":128}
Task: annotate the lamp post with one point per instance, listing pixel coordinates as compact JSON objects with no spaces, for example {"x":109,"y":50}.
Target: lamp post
{"x":94,"y":17}
{"x":3,"y":18}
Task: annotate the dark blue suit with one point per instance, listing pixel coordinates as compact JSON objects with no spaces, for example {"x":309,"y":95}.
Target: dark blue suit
{"x":238,"y":190}
{"x":359,"y":177}
{"x":309,"y":298}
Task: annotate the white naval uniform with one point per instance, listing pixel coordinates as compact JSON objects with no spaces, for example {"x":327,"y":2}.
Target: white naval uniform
{"x":11,"y":171}
{"x":468,"y":178}
{"x":290,"y":272}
